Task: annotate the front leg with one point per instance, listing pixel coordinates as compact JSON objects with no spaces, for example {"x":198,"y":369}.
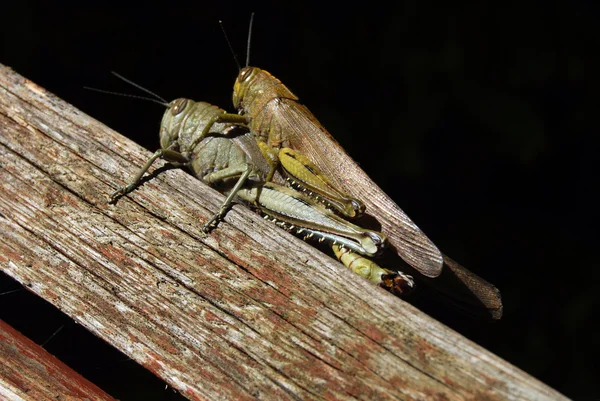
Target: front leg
{"x":219,"y":118}
{"x":165,"y":154}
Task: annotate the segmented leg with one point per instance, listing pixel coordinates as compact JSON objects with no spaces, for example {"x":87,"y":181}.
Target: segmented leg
{"x":244,"y":172}
{"x":271,"y":156}
{"x":306,"y":175}
{"x":165,"y":154}
{"x":220,"y":118}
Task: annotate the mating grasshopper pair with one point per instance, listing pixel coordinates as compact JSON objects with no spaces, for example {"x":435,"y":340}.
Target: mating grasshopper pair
{"x":286,"y":131}
{"x":194,"y":135}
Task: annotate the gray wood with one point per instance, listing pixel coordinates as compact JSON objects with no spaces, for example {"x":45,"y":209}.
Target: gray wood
{"x":247,"y":312}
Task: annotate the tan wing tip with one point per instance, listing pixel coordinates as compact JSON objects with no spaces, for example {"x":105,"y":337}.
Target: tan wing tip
{"x":496,"y":314}
{"x":487,"y":294}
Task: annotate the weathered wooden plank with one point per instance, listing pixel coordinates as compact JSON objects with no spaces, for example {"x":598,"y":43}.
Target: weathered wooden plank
{"x":247,"y":312}
{"x":29,"y":372}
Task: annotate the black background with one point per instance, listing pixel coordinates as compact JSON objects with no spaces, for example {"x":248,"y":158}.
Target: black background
{"x":477,"y":119}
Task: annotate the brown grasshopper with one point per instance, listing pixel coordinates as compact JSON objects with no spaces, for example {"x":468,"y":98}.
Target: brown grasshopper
{"x":280,"y":122}
{"x":192,"y":136}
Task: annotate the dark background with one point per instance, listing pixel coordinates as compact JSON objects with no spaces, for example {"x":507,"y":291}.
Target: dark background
{"x":477,"y":119}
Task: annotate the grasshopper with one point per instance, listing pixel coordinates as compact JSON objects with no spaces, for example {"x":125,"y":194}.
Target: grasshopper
{"x":281,"y":122}
{"x":193,"y":136}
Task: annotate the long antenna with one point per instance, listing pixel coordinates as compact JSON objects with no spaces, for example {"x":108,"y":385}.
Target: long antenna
{"x":138,"y":86}
{"x":155,"y":99}
{"x":237,"y":62}
{"x":249,"y":39}
{"x":151,"y":99}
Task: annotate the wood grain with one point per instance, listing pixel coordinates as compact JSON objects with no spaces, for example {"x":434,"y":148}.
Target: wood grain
{"x":29,"y":372}
{"x":247,"y":312}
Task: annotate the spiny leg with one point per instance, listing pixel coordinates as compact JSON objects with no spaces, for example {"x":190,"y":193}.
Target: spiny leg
{"x":165,"y":154}
{"x":304,"y":173}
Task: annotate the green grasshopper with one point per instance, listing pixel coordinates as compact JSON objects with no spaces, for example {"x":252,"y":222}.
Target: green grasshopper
{"x":280,"y":122}
{"x":193,"y":136}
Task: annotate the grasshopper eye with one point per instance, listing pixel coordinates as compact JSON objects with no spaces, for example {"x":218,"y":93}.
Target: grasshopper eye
{"x":245,"y":73}
{"x":179,"y":106}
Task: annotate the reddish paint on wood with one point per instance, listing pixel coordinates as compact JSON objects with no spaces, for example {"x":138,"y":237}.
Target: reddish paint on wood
{"x":247,"y":312}
{"x":29,"y":372}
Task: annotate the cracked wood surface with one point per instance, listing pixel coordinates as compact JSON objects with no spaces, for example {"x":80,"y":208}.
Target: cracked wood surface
{"x":29,"y":372}
{"x":247,"y":312}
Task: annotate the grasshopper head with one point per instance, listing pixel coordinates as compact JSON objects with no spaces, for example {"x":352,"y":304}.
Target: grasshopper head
{"x":255,"y":88}
{"x":243,"y":82}
{"x":172,"y":119}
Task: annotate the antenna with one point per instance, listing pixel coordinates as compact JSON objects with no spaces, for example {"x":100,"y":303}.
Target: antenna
{"x":237,"y":62}
{"x":126,"y":95}
{"x":138,"y":86}
{"x":249,"y":39}
{"x":155,"y":99}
